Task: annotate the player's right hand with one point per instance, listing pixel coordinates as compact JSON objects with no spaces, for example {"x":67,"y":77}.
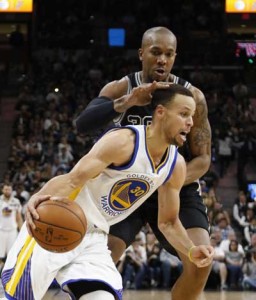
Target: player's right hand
{"x":31,"y":213}
{"x":202,"y":256}
{"x":142,"y":95}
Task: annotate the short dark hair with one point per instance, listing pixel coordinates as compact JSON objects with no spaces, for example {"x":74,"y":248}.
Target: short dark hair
{"x":164,"y":96}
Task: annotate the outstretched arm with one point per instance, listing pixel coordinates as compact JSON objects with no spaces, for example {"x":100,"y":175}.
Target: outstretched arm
{"x":112,"y":101}
{"x":199,"y":140}
{"x":169,"y":222}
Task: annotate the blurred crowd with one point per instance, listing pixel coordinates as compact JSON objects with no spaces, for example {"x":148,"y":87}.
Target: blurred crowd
{"x":61,"y":82}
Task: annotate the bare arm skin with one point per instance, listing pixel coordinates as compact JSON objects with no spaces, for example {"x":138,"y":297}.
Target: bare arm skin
{"x":112,"y":148}
{"x":169,"y":222}
{"x":139,"y":96}
{"x":199,"y":140}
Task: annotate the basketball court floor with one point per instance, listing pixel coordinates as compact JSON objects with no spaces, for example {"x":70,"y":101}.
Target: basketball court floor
{"x":159,"y":295}
{"x":165,"y":295}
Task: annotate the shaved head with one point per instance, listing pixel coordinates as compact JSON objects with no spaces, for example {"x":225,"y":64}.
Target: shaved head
{"x":150,"y":34}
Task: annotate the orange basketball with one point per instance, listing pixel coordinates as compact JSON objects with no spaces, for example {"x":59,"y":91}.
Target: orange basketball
{"x":61,"y":225}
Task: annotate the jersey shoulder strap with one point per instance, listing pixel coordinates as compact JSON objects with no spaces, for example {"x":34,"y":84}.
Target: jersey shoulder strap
{"x":181,"y":81}
{"x":134,"y":79}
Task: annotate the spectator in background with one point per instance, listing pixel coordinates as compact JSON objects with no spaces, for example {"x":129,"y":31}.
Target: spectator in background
{"x":224,"y":151}
{"x":171,"y":267}
{"x":249,"y":270}
{"x":218,"y":265}
{"x":239,"y":211}
{"x":10,"y":220}
{"x":250,"y":230}
{"x":234,"y":262}
{"x":154,"y":265}
{"x":134,"y":265}
{"x":251,"y":246}
{"x":222,"y":224}
{"x":241,"y":93}
{"x":225,"y":243}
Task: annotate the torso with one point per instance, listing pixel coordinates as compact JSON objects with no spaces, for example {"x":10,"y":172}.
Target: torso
{"x":123,"y":189}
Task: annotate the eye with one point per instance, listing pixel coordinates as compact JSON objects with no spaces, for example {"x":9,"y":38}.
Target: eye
{"x":170,"y":54}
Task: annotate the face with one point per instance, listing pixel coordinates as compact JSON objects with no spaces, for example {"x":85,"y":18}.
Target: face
{"x":7,"y":191}
{"x":177,"y":119}
{"x":158,"y":55}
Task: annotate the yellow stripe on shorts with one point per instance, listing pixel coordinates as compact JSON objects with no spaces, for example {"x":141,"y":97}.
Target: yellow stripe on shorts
{"x":25,"y":254}
{"x":21,"y":263}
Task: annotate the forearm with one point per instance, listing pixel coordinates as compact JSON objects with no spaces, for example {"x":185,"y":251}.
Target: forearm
{"x":96,"y":115}
{"x":61,"y":186}
{"x":197,"y":167}
{"x":177,"y":236}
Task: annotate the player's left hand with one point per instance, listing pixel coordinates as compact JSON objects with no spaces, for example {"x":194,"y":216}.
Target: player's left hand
{"x":202,"y":255}
{"x":31,"y":212}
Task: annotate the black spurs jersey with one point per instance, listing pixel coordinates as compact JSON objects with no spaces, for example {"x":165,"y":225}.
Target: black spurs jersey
{"x":142,"y":115}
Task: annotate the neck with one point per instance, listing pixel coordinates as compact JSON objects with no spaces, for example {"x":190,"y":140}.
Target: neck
{"x":156,"y":144}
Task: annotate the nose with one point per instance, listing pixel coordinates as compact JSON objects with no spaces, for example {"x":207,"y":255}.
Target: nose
{"x":190,"y":121}
{"x":161,"y":59}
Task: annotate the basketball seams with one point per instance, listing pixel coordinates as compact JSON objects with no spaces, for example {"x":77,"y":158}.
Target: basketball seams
{"x":61,"y":226}
{"x":59,"y":204}
{"x":81,"y":236}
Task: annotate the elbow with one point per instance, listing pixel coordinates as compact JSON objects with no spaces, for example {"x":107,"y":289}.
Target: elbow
{"x":207,"y":161}
{"x":165,"y":226}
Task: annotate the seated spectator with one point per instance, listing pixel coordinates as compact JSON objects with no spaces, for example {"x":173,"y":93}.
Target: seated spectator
{"x":222,"y":224}
{"x":234,"y":262}
{"x":239,"y":211}
{"x":171,"y":268}
{"x":225,"y":244}
{"x":249,"y":270}
{"x":252,"y":244}
{"x":214,"y":208}
{"x":133,"y":265}
{"x":154,"y":265}
{"x":218,"y":265}
{"x":250,"y":230}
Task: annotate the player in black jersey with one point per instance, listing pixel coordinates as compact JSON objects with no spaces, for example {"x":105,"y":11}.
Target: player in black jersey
{"x":131,"y":96}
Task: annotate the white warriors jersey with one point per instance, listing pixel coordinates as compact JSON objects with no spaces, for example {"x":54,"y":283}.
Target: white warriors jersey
{"x":118,"y":191}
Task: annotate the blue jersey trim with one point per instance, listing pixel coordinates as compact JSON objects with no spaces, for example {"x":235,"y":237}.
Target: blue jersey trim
{"x":135,"y":151}
{"x":172,"y":166}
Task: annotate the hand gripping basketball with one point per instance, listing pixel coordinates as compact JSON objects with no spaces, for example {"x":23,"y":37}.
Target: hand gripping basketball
{"x":61,"y":225}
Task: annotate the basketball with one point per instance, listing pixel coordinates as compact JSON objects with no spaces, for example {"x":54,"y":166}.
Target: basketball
{"x":61,"y":225}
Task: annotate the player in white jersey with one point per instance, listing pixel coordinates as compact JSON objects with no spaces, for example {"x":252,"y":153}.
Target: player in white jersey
{"x":10,"y":220}
{"x":119,"y":173}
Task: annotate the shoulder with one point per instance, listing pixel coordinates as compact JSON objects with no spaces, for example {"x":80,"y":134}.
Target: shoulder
{"x":15,"y":201}
{"x":118,"y":143}
{"x":115,"y":89}
{"x":198,"y":95}
{"x":122,"y":136}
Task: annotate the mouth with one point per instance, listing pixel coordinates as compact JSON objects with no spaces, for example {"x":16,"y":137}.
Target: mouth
{"x":160,"y":72}
{"x":183,"y":135}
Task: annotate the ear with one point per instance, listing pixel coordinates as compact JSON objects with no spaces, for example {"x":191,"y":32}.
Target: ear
{"x":140,"y":52}
{"x":160,"y":110}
